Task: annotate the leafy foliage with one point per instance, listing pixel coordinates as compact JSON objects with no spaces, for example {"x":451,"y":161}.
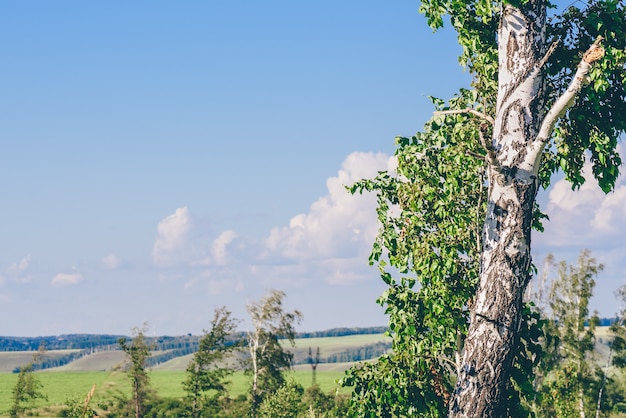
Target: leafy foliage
{"x":76,"y":408}
{"x":590,"y":128}
{"x":430,"y":216}
{"x":283,"y":403}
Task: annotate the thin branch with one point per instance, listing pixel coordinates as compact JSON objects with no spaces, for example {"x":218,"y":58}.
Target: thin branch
{"x":467,"y":110}
{"x":548,"y":53}
{"x":474,"y":154}
{"x":491,"y":157}
{"x":566,"y":100}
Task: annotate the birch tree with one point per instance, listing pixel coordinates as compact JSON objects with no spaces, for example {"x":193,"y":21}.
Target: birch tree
{"x":268,"y":358}
{"x":547,"y":95}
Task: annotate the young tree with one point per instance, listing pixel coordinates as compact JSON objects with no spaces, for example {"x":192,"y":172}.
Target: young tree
{"x":547,"y":94}
{"x":286,"y":402}
{"x":208,"y":368}
{"x":573,"y":384}
{"x":137,"y":352}
{"x":28,"y":386}
{"x":268,"y":358}
{"x":77,"y":408}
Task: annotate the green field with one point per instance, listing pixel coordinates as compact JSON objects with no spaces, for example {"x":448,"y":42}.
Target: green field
{"x":62,"y":386}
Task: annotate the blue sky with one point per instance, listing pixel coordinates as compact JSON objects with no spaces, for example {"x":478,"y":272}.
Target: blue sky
{"x":161,"y":159}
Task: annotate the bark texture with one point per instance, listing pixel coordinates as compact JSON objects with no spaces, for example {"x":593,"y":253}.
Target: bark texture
{"x":492,"y":338}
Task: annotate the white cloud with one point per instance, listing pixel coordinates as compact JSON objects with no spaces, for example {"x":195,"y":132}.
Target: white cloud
{"x":111,"y":262}
{"x":587,"y":216}
{"x":612,"y":211}
{"x":220,"y":247}
{"x":330,"y":243}
{"x":338,"y":227}
{"x":588,"y":219}
{"x":172,"y":245}
{"x":63,"y":279}
{"x":181,"y":241}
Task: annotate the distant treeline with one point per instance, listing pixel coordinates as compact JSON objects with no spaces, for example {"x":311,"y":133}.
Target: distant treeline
{"x":365,"y":352}
{"x":58,"y":342}
{"x":342,"y":332}
{"x":183,"y":342}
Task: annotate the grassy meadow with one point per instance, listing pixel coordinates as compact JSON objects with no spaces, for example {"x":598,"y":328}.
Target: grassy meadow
{"x":60,"y":387}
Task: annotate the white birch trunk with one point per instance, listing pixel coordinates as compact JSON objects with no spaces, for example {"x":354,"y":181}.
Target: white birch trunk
{"x":521,"y":129}
{"x":505,"y":264}
{"x":253,"y":345}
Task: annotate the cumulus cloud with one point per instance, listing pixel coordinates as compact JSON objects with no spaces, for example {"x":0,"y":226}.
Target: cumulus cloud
{"x":172,"y":244}
{"x":330,"y":242}
{"x":586,"y":217}
{"x":182,"y":241}
{"x":111,"y":262}
{"x":339,"y":227}
{"x":64,"y":279}
{"x":612,"y":211}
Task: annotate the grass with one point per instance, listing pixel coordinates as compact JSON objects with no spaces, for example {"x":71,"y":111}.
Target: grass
{"x":60,"y":387}
{"x":63,"y":386}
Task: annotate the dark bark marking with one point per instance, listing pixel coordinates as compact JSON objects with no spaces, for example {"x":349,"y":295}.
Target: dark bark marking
{"x":512,"y":49}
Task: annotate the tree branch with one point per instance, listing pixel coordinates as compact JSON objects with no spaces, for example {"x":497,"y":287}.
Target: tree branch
{"x":467,"y":110}
{"x":474,"y":154}
{"x":548,"y":53}
{"x":491,"y":157}
{"x":566,"y":100}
